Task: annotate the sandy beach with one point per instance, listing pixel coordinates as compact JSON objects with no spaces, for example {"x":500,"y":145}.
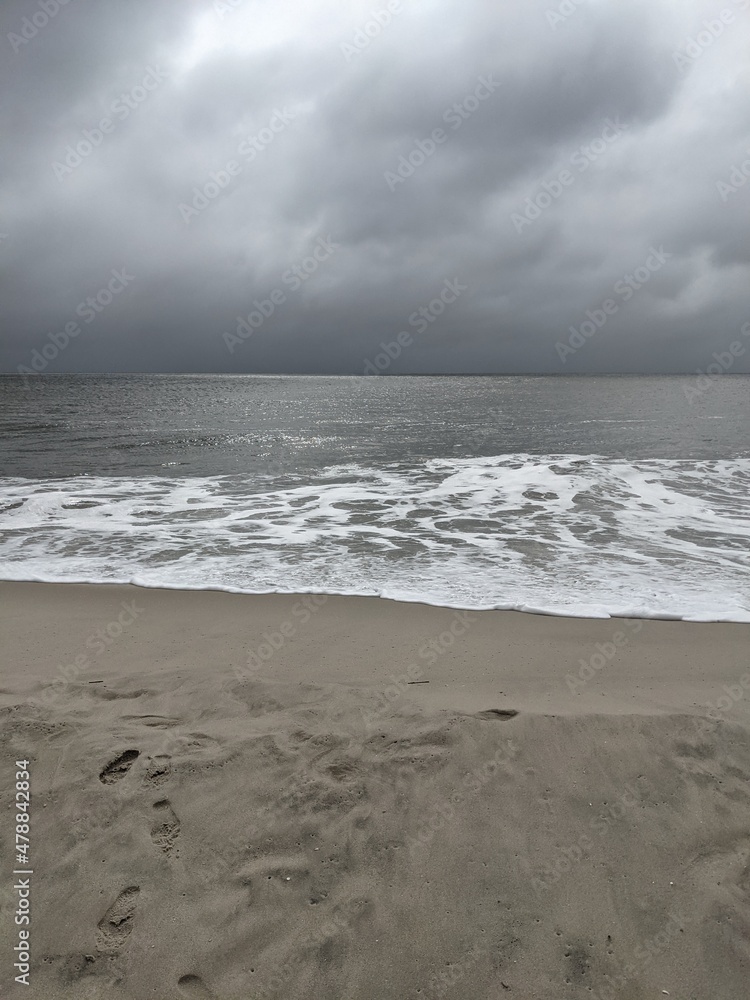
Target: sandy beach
{"x":295,"y":796}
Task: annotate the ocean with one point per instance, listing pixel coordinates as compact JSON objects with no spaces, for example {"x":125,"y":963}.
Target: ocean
{"x":582,"y":495}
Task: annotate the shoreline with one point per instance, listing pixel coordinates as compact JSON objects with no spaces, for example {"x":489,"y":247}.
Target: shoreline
{"x":557,"y":663}
{"x":397,"y":600}
{"x":304,"y":795}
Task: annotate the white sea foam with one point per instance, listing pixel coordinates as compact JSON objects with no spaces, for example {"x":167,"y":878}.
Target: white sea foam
{"x":567,"y":535}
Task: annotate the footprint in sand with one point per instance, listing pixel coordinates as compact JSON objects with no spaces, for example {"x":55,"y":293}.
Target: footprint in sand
{"x":195,"y":988}
{"x":158,"y":770}
{"x":166,"y":828}
{"x":118,"y":767}
{"x":498,"y":714}
{"x":117,"y":923}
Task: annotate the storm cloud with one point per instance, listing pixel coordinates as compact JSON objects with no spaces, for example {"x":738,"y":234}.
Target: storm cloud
{"x":258,"y":186}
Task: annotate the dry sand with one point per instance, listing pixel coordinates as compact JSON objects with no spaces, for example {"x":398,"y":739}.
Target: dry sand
{"x":552,"y":815}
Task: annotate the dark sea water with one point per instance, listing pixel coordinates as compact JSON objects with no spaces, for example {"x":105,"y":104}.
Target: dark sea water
{"x":575,"y":495}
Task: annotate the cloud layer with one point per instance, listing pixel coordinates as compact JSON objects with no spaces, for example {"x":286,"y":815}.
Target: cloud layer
{"x":289,"y":186}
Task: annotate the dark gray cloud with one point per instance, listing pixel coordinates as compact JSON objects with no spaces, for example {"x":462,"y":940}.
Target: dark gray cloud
{"x":280,"y":163}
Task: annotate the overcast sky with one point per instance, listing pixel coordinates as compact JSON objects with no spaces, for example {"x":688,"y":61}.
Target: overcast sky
{"x":558,"y":186}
